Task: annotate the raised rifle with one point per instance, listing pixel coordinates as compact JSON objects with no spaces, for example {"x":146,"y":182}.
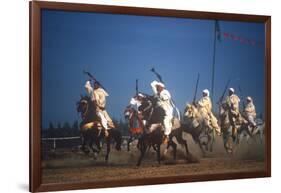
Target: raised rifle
{"x":137,"y":87}
{"x":157,"y":75}
{"x":196,"y":87}
{"x":224,"y":91}
{"x":93,"y":78}
{"x":242,"y":96}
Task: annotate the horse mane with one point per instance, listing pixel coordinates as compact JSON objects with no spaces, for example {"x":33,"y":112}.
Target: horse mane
{"x":91,"y":115}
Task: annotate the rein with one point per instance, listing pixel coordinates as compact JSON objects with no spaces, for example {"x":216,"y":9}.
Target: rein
{"x":87,"y":109}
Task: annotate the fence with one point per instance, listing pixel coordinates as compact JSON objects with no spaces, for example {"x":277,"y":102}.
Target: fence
{"x":57,"y":142}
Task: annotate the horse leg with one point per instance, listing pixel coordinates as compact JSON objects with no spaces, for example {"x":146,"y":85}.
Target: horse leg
{"x":174,"y":146}
{"x":143,"y":147}
{"x":212,"y":140}
{"x":183,"y":142}
{"x":228,"y":145}
{"x":97,"y":142}
{"x":95,"y":151}
{"x":153,"y":146}
{"x":168,"y":146}
{"x":84,"y":145}
{"x":202,"y":148}
{"x":92,"y":146}
{"x":107,"y":148}
{"x":208,"y":142}
{"x":129,"y":142}
{"x":139,"y":144}
{"x":261,"y":136}
{"x":158,"y":153}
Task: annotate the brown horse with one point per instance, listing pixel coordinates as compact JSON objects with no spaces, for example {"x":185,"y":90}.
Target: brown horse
{"x":92,"y":131}
{"x":154,"y":117}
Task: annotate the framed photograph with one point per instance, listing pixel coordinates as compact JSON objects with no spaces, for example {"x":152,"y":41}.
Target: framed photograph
{"x":125,"y":96}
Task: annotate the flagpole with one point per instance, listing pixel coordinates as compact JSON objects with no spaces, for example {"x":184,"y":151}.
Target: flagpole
{"x":214,"y":61}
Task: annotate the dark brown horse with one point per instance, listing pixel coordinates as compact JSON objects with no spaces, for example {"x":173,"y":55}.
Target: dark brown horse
{"x":92,"y":131}
{"x":154,"y":116}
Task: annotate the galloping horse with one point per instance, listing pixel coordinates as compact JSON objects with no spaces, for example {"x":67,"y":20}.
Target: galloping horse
{"x":91,"y":129}
{"x":154,"y":117}
{"x":230,"y":138}
{"x":245,"y":133}
{"x":194,"y":125}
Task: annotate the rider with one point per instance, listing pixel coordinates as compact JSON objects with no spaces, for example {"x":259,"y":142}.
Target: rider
{"x":205,"y":108}
{"x":141,"y":101}
{"x":98,"y":96}
{"x":232,"y":102}
{"x":164,"y":101}
{"x":250,"y":113}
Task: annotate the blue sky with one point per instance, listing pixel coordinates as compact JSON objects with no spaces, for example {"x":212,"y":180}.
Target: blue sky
{"x":117,"y":49}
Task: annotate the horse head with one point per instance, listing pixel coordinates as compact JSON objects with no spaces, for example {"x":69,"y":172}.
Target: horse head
{"x":82,"y":105}
{"x":86,"y":108}
{"x":128,"y":112}
{"x":190,"y":111}
{"x":192,"y":115}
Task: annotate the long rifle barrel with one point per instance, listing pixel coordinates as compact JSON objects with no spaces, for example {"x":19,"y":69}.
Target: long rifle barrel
{"x":196,"y":87}
{"x":224,"y":91}
{"x":137,"y":86}
{"x":242,"y":96}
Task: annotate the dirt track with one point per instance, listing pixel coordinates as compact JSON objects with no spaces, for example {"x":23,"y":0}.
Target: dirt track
{"x":74,"y":167}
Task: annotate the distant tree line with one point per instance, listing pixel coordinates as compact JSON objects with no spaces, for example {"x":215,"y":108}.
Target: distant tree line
{"x":67,"y":129}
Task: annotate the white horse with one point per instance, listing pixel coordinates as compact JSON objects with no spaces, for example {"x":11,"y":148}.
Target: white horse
{"x":194,"y":124}
{"x":245,"y":133}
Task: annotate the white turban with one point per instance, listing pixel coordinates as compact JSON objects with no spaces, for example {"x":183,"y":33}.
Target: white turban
{"x":88,"y":85}
{"x":135,"y":102}
{"x":206,"y":91}
{"x":249,"y":98}
{"x":160,"y":84}
{"x":141,"y":95}
{"x":231,"y":89}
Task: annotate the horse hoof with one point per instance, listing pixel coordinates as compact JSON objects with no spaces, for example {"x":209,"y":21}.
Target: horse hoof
{"x":95,"y":156}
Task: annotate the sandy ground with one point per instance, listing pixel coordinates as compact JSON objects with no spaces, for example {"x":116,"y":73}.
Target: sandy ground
{"x":66,"y":166}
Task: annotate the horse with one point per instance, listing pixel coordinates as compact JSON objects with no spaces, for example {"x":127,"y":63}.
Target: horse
{"x":245,"y":133}
{"x":154,"y":117}
{"x":194,"y":124}
{"x":92,"y":131}
{"x":230,"y":137}
{"x":135,"y":125}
